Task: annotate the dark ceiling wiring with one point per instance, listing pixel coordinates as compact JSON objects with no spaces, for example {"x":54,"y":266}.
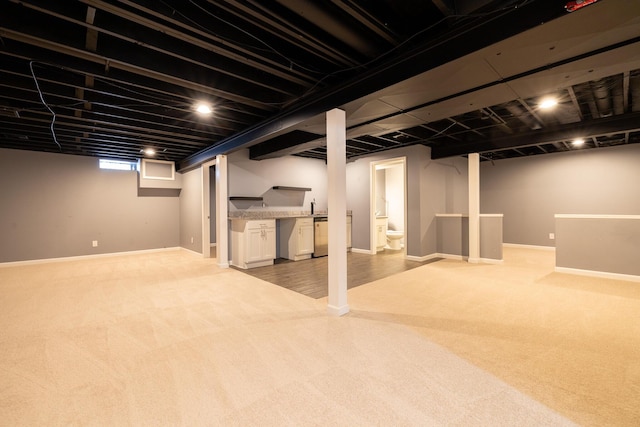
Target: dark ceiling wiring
{"x":181,"y":105}
{"x":179,"y":102}
{"x":53,"y":114}
{"x":133,"y":91}
{"x":274,"y":50}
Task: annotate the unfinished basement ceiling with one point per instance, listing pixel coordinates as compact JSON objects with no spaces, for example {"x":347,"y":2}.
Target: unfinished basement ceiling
{"x":109,"y":78}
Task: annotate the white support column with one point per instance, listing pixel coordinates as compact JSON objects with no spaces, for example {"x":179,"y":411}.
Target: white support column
{"x":222,"y":212}
{"x":337,"y":215}
{"x":474,"y":208}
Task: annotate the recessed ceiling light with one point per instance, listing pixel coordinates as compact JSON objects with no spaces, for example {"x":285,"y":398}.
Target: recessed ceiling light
{"x":149,"y":151}
{"x":203,"y":108}
{"x":578,"y":142}
{"x":548,"y":103}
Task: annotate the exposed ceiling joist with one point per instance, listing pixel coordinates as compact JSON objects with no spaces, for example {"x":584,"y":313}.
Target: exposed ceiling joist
{"x":121,"y":75}
{"x":566,"y":132}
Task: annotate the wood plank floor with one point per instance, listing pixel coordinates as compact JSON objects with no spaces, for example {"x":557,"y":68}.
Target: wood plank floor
{"x":309,"y":277}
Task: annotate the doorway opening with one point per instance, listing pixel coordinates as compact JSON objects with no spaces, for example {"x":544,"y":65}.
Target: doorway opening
{"x":215,"y":227}
{"x":209,"y":210}
{"x":388,"y":210}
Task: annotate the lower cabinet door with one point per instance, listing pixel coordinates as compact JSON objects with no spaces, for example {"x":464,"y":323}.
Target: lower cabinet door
{"x":305,"y":238}
{"x":255,"y":245}
{"x":268,"y":250}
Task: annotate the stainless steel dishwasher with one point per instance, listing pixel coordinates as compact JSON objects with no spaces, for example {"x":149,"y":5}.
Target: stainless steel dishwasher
{"x":320,"y":236}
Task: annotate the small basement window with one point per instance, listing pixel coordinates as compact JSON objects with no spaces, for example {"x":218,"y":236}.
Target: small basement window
{"x":119,"y":165}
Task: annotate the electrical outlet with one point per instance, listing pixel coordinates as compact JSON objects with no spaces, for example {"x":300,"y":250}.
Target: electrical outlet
{"x":552,"y":236}
{"x":95,"y":243}
{"x":191,"y":239}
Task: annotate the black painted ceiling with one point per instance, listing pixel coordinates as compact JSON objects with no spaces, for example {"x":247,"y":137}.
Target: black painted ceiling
{"x":108,"y":78}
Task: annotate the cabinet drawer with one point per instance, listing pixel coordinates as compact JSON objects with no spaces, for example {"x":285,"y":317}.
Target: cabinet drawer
{"x":267,"y":223}
{"x":304,"y":221}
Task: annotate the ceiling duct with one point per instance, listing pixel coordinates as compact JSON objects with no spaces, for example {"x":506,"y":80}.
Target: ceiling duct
{"x":634,"y":84}
{"x":523,"y":116}
{"x":603,"y":97}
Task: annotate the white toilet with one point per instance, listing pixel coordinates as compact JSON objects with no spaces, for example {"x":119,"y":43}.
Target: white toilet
{"x":394,"y":238}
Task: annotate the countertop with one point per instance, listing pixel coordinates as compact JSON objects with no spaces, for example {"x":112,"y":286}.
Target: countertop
{"x":244,"y":215}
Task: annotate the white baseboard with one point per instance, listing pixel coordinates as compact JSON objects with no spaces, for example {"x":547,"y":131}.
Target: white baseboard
{"x":361,"y":251}
{"x":453,"y":257}
{"x":191,"y":250}
{"x":599,"y":274}
{"x":423,"y":258}
{"x":337,"y":311}
{"x":491,"y":261}
{"x":517,"y":245}
{"x":86,"y":257}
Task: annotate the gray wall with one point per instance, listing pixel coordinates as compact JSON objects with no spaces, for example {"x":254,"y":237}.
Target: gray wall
{"x":256,"y":178}
{"x":609,"y":244}
{"x":55,"y":205}
{"x":491,"y":237}
{"x":444,"y":189}
{"x":432,"y":187}
{"x":453,"y":235}
{"x":191,"y":210}
{"x":530,"y":191}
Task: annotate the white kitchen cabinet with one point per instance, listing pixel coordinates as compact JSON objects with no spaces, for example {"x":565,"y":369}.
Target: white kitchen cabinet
{"x":296,"y":238}
{"x":381,"y":233}
{"x":253,"y":242}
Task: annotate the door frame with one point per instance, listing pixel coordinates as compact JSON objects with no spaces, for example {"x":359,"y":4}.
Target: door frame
{"x":402,"y":161}
{"x":222,"y":209}
{"x":206,"y":208}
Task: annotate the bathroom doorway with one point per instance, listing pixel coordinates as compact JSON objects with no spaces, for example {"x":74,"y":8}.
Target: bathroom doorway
{"x":388,"y":205}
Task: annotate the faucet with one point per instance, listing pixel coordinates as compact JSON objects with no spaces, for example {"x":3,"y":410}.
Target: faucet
{"x":313,"y":204}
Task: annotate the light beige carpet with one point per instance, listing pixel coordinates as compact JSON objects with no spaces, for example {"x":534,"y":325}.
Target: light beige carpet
{"x":570,"y":342}
{"x":170,"y":339}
